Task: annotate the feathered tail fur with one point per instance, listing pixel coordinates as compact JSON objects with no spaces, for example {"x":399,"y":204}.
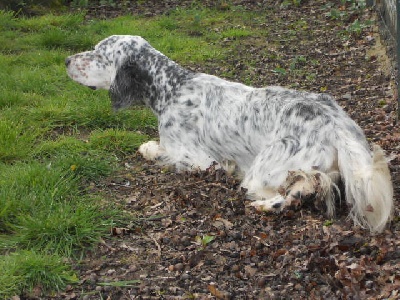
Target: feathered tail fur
{"x":367,"y":182}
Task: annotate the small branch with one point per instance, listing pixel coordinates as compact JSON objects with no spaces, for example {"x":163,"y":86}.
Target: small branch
{"x":158,"y":246}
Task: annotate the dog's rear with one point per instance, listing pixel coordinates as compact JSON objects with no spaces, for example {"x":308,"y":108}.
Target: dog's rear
{"x":367,"y":182}
{"x":366,"y":178}
{"x":330,"y":147}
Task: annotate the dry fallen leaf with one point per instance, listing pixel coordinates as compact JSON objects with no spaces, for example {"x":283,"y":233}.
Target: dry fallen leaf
{"x":221,"y":223}
{"x":279,"y":252}
{"x":217,"y":293}
{"x":119,"y":231}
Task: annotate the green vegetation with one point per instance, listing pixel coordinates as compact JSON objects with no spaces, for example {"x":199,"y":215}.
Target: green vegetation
{"x":344,"y":11}
{"x":204,"y":241}
{"x":27,"y":270}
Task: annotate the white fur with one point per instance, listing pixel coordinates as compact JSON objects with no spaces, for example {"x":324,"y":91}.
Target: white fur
{"x":151,"y":150}
{"x":289,"y":145}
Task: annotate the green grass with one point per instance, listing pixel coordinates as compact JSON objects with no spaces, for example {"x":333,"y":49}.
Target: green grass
{"x":26,"y":270}
{"x":38,"y":191}
{"x":17,"y":140}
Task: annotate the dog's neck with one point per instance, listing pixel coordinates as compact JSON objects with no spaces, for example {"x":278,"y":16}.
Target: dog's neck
{"x":148,"y":77}
{"x":167,"y":76}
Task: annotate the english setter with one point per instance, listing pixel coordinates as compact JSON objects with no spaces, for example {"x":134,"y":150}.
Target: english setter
{"x":288,"y":145}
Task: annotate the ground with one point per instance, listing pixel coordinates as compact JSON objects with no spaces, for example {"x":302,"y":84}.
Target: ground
{"x":193,"y":235}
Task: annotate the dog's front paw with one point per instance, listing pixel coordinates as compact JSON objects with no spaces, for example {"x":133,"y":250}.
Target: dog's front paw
{"x":150,"y":150}
{"x":276,"y":204}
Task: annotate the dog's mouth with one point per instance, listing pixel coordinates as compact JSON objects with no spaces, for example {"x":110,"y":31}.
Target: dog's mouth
{"x":92,"y":87}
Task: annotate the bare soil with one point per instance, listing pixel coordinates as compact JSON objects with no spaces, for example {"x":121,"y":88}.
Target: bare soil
{"x":193,"y":236}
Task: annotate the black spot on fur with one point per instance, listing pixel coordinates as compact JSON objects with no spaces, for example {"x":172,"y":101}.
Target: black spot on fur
{"x":131,"y":86}
{"x":291,"y":144}
{"x":170,"y":122}
{"x":277,"y":205}
{"x":305,"y":111}
{"x":328,"y":101}
{"x":138,"y":82}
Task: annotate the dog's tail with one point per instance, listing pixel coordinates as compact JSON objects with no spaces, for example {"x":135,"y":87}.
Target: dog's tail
{"x":367,"y":182}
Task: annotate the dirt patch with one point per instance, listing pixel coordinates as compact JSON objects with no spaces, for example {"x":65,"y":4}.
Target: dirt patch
{"x":378,"y":51}
{"x":193,"y":236}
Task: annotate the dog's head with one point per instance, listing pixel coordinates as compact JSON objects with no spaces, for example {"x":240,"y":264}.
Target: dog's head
{"x":114,"y":65}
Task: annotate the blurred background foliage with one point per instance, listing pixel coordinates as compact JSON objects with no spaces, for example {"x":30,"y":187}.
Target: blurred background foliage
{"x":34,"y":7}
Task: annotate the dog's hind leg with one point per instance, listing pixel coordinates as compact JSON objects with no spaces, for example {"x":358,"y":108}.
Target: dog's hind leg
{"x":286,"y":173}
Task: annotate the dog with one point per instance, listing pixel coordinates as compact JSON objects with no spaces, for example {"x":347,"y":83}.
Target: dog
{"x":288,"y":145}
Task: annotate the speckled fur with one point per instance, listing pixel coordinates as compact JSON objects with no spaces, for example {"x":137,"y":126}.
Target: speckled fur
{"x":265,"y":132}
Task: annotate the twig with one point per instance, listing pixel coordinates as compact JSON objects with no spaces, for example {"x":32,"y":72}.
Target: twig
{"x":158,"y":246}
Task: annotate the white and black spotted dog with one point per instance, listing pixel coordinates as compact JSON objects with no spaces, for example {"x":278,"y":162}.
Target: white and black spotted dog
{"x":288,"y":145}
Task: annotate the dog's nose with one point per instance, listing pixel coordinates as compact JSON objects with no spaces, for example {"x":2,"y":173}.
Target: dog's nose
{"x":67,"y":61}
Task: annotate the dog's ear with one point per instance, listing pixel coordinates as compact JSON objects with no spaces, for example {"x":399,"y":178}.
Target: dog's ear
{"x":131,"y":85}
